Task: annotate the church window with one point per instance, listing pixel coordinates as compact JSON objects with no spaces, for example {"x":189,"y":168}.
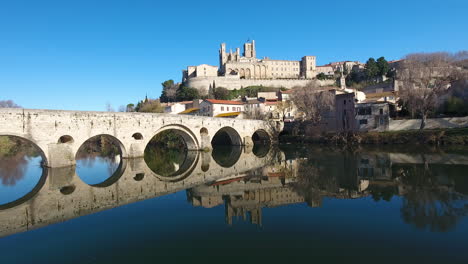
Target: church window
{"x":222,"y":108}
{"x":227,"y":108}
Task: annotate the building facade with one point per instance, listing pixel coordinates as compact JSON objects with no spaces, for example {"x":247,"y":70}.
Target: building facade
{"x":238,"y":70}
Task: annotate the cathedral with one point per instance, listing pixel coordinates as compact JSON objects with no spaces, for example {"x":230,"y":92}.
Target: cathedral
{"x":238,"y":70}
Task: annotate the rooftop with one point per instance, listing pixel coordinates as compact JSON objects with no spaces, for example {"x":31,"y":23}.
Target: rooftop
{"x":215,"y":101}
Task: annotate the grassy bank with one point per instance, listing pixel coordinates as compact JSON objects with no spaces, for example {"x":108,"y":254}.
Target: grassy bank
{"x":453,"y":136}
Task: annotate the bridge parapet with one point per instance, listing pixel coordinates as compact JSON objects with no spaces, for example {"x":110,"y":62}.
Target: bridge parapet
{"x":59,"y":134}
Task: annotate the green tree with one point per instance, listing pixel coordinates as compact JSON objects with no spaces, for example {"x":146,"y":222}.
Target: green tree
{"x":372,"y":69}
{"x":169,"y":91}
{"x":321,"y":76}
{"x":222,"y":93}
{"x":383,"y":66}
{"x":130,"y":108}
{"x":187,"y":94}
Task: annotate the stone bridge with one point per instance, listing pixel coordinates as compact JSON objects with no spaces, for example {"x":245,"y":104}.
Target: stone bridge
{"x":59,"y":134}
{"x":60,"y":194}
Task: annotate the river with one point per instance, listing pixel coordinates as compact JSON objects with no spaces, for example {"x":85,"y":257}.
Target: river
{"x":267,"y":204}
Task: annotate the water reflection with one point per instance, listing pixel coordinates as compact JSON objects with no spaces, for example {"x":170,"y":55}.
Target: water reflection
{"x":225,"y":155}
{"x":98,"y":160}
{"x":429,"y":191}
{"x":20,"y":170}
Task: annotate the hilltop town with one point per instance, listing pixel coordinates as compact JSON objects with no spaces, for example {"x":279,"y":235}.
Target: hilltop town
{"x":344,"y":96}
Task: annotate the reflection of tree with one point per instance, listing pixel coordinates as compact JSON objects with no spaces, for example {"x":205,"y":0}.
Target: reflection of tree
{"x":14,"y":153}
{"x":312,"y":182}
{"x":427,"y":202}
{"x":102,"y":148}
{"x":164,"y":160}
{"x":99,"y":146}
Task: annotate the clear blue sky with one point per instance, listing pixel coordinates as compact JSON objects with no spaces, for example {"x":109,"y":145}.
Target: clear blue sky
{"x":78,"y":55}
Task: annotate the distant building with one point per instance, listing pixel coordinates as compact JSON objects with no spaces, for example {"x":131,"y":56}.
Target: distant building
{"x":238,"y":70}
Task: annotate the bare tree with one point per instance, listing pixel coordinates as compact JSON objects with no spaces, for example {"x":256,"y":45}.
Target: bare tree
{"x":424,"y":78}
{"x":8,"y":104}
{"x":282,"y":107}
{"x":313,"y":102}
{"x":254,"y":113}
{"x":109,"y":107}
{"x":171,"y":92}
{"x":122,"y":108}
{"x":152,"y":106}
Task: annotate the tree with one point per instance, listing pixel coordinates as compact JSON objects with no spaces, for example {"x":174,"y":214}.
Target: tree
{"x":8,"y":104}
{"x":130,"y":108}
{"x":313,"y":102}
{"x":383,"y":66}
{"x":254,"y":113}
{"x":169,"y":91}
{"x":151,"y":106}
{"x":122,"y":108}
{"x":321,"y":76}
{"x":282,"y":107}
{"x":424,"y":78}
{"x":371,"y":69}
{"x":221,"y":93}
{"x":109,"y":107}
{"x":187,"y":94}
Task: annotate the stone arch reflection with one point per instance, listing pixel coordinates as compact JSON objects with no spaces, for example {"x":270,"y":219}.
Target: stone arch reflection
{"x":168,"y":154}
{"x":99,"y":161}
{"x":22,"y":173}
{"x":226,"y":156}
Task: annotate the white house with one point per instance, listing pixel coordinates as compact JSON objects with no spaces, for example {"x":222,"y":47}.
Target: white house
{"x":221,"y":108}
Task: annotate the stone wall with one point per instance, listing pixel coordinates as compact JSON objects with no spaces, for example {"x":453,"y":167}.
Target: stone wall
{"x":408,"y":124}
{"x":234,"y":82}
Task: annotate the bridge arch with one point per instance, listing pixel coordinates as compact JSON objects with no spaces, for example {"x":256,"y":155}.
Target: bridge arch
{"x":261,"y":136}
{"x":115,"y":140}
{"x":32,"y":141}
{"x":41,"y":179}
{"x":108,"y":154}
{"x":191,"y":141}
{"x":226,"y":136}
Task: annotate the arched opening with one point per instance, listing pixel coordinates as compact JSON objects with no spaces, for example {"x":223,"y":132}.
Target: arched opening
{"x":65,"y":139}
{"x":67,"y":190}
{"x":22,"y":170}
{"x":137,"y":136}
{"x":226,"y":136}
{"x":139,"y":177}
{"x":261,"y":137}
{"x":99,"y":161}
{"x":170,"y":154}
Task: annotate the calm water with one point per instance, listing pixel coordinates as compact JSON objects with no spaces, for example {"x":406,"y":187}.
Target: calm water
{"x":288,"y":204}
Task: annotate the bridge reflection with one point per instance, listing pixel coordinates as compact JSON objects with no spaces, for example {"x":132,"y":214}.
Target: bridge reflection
{"x":61,"y":194}
{"x":431,"y":187}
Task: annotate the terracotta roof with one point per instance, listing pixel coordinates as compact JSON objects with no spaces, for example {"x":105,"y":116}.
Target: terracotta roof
{"x":214,"y":101}
{"x":271,"y":103}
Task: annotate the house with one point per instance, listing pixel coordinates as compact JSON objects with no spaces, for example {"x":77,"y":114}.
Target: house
{"x":221,"y":108}
{"x":372,"y":116}
{"x":175,"y":107}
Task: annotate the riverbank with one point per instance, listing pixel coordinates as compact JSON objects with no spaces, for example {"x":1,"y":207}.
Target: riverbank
{"x":452,"y":136}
